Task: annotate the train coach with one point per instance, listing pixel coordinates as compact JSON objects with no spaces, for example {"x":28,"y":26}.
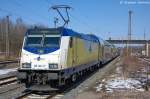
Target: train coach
{"x":52,"y":57}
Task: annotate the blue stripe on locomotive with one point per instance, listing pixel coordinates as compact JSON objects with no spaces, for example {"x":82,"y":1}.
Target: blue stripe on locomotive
{"x":44,"y":50}
{"x":64,"y":32}
{"x":89,"y":37}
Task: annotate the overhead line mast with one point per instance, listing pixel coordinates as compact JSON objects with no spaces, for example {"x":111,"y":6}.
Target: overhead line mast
{"x":7,"y":37}
{"x":129,"y":50}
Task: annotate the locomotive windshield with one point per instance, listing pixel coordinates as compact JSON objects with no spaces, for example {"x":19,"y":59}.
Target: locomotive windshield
{"x":42,"y":40}
{"x":51,"y":41}
{"x":33,"y":41}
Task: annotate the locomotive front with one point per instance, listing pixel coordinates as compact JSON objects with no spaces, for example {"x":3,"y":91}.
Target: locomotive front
{"x":40,"y":50}
{"x":40,"y":57}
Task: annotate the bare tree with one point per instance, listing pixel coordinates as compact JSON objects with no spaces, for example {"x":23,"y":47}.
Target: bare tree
{"x":16,"y":34}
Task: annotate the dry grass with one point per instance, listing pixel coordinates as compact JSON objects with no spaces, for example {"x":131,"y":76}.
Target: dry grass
{"x":130,"y":64}
{"x":114,"y":95}
{"x":125,"y":95}
{"x":4,"y":58}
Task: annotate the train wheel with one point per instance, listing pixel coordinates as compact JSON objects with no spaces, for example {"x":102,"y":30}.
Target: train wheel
{"x":74,"y":78}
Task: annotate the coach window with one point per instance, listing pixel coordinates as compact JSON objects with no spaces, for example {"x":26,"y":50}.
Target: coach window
{"x":71,"y":41}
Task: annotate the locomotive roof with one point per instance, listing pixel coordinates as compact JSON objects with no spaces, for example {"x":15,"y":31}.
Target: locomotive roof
{"x":67,"y":32}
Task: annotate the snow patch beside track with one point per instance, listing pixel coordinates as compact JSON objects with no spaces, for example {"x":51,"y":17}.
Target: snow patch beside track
{"x":6,"y":71}
{"x":120,"y":84}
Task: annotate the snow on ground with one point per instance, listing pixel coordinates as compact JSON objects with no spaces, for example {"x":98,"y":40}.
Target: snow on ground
{"x":120,"y":84}
{"x":116,"y":82}
{"x":6,"y":71}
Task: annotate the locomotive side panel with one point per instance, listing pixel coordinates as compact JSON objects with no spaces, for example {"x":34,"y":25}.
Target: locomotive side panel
{"x":63,"y":52}
{"x":82,"y":52}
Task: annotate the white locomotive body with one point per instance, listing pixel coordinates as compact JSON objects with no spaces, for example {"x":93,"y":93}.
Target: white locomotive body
{"x":52,"y":57}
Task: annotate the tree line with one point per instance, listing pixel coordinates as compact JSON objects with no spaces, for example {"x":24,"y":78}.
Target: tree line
{"x":16,"y":31}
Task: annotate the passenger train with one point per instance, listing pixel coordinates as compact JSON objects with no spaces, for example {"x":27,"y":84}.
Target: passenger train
{"x":52,"y":57}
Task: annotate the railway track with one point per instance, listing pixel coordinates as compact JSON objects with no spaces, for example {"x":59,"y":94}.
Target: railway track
{"x":36,"y":95}
{"x":8,"y":80}
{"x":145,"y":60}
{"x":9,"y":61}
{"x":15,"y":87}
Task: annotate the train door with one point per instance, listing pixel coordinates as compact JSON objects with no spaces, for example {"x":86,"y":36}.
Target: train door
{"x":70,"y":58}
{"x":99,"y":52}
{"x":74,"y":51}
{"x":102,"y":50}
{"x":105,"y":52}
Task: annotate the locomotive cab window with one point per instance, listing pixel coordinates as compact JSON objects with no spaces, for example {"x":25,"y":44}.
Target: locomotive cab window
{"x":52,"y":41}
{"x":42,"y":39}
{"x":34,"y":40}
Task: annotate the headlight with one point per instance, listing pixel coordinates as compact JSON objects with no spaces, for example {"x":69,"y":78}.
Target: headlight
{"x":26,"y":65}
{"x":53,"y":66}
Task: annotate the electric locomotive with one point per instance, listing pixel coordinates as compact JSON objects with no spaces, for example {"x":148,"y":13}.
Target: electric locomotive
{"x":53,"y":56}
